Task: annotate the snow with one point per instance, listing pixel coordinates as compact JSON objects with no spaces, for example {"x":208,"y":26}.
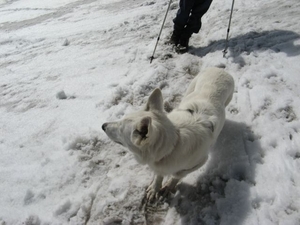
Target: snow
{"x":69,"y":66}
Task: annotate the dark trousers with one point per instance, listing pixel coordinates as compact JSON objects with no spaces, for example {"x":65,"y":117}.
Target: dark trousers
{"x":188,"y":18}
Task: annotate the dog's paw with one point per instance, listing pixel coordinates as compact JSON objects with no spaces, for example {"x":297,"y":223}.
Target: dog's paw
{"x":151,"y":194}
{"x":165,"y":192}
{"x":159,"y":196}
{"x":168,"y":188}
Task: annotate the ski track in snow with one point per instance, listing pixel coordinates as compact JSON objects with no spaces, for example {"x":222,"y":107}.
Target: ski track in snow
{"x":58,"y":167}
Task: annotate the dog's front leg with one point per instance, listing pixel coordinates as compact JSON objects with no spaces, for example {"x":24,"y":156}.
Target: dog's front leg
{"x":154,"y":187}
{"x":169,"y":187}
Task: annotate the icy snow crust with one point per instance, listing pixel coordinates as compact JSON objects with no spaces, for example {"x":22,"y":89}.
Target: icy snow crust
{"x":68,"y":66}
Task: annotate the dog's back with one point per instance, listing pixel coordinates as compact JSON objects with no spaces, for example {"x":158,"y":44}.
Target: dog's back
{"x":207,"y":96}
{"x":213,"y":84}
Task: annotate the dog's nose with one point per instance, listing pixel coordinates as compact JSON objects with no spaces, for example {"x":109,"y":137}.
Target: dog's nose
{"x":104,"y":126}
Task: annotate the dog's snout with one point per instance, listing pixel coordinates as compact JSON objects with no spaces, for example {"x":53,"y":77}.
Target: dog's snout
{"x":104,"y":126}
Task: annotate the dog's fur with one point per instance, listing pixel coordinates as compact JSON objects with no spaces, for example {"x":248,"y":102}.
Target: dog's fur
{"x":176,"y":143}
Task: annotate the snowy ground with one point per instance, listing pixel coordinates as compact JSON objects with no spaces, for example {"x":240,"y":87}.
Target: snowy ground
{"x":58,"y":167}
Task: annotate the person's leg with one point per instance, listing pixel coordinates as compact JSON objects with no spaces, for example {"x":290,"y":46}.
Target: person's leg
{"x":183,"y":14}
{"x":193,"y":25}
{"x":181,"y":19}
{"x":199,"y":9}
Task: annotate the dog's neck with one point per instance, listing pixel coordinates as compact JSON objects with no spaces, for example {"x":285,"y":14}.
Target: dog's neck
{"x":165,"y":139}
{"x":177,"y":138}
{"x":170,"y":137}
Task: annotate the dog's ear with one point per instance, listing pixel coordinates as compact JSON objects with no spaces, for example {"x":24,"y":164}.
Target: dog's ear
{"x":209,"y":124}
{"x":155,"y":101}
{"x":141,"y":133}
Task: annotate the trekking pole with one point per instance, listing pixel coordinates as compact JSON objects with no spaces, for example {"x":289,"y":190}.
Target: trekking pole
{"x":226,"y":43}
{"x":152,"y":57}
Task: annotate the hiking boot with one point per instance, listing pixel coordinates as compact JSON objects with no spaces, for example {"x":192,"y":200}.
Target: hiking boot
{"x":183,"y":46}
{"x":174,"y":40}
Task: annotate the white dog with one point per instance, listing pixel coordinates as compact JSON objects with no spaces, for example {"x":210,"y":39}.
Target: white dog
{"x":176,"y":143}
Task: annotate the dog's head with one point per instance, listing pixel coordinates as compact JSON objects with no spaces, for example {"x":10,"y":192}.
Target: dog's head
{"x":141,"y":131}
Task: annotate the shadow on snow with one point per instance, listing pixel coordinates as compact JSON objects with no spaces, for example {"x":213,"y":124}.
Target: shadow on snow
{"x":276,"y":40}
{"x":222,"y":192}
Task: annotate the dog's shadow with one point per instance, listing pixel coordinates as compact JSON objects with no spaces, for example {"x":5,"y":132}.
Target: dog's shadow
{"x":222,"y":191}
